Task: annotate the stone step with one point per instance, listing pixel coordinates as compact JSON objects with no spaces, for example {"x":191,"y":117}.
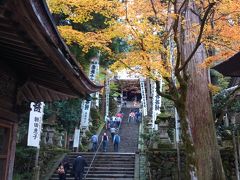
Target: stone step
{"x":100,"y":153}
{"x":110,"y":162}
{"x":111,"y":175}
{"x":97,"y":178}
{"x":109,"y":178}
{"x":101,"y":172}
{"x":107,"y":159}
{"x":110,"y":168}
{"x":100,"y":176}
{"x":110,"y":165}
{"x":71,"y":159}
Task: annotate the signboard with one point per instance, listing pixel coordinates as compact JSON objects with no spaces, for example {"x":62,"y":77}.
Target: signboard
{"x":76,"y":138}
{"x":144,"y":97}
{"x":35,"y":124}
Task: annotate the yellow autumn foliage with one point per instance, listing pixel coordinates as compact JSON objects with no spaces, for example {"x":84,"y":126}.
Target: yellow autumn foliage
{"x":213,"y":89}
{"x":81,"y":11}
{"x":147,"y":26}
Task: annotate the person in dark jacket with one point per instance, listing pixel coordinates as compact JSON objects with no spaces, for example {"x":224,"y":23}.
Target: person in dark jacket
{"x":78,"y":167}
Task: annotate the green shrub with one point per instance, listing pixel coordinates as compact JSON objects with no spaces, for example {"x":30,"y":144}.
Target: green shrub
{"x":24,"y":160}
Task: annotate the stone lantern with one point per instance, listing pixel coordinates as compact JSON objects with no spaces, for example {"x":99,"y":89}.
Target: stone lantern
{"x":163,"y":125}
{"x":49,"y":130}
{"x":59,"y":136}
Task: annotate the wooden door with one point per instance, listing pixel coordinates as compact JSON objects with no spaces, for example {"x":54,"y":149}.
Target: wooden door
{"x":5,"y":134}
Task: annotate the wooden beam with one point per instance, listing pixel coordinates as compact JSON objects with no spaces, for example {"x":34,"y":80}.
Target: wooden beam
{"x":22,"y":47}
{"x":8,"y":115}
{"x":17,"y":51}
{"x":35,"y":91}
{"x":45,"y":94}
{"x":27,"y":93}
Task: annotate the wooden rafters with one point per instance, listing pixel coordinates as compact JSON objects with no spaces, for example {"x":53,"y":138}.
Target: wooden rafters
{"x":33,"y":48}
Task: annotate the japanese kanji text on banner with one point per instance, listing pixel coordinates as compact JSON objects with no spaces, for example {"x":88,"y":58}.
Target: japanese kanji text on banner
{"x":144,"y":98}
{"x":35,"y":124}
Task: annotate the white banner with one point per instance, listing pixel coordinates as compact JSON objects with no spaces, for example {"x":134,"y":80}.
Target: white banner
{"x":95,"y":62}
{"x":156,"y":102}
{"x":94,"y":68}
{"x":153,"y":88}
{"x":35,"y":124}
{"x":86,"y":105}
{"x":107,"y":96}
{"x":76,"y":138}
{"x":144,"y":97}
{"x":97,"y":98}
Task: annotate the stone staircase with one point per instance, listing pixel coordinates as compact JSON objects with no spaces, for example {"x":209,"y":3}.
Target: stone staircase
{"x":128,"y":132}
{"x":112,"y":165}
{"x":106,"y":166}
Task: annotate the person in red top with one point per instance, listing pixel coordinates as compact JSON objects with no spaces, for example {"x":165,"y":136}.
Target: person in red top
{"x":120,"y":114}
{"x":131,"y":116}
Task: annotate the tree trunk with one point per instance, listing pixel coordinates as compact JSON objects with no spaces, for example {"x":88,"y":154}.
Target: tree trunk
{"x":187,"y":140}
{"x":198,"y":105}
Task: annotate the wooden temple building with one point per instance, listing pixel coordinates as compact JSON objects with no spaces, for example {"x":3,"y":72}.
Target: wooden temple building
{"x":230,"y":67}
{"x":35,"y":65}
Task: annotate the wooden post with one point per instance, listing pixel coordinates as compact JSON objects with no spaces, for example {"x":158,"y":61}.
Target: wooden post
{"x":36,"y":169}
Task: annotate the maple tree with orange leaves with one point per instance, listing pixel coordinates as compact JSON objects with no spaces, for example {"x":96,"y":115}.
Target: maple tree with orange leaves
{"x":174,"y":40}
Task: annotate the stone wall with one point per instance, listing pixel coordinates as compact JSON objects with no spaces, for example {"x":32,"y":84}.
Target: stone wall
{"x":163,"y":164}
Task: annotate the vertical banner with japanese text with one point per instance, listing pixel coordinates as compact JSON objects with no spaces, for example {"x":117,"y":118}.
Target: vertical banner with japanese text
{"x":86,"y":105}
{"x":97,"y":73}
{"x":76,"y":138}
{"x":153,"y":89}
{"x":107,"y":88}
{"x":156,"y":102}
{"x":35,"y":124}
{"x":94,"y":69}
{"x":144,"y":97}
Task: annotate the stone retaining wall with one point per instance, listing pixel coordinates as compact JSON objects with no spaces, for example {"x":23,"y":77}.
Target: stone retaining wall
{"x":163,"y":164}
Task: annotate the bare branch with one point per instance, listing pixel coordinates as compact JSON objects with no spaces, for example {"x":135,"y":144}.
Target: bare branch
{"x":126,"y":65}
{"x":182,"y":5}
{"x":154,"y":9}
